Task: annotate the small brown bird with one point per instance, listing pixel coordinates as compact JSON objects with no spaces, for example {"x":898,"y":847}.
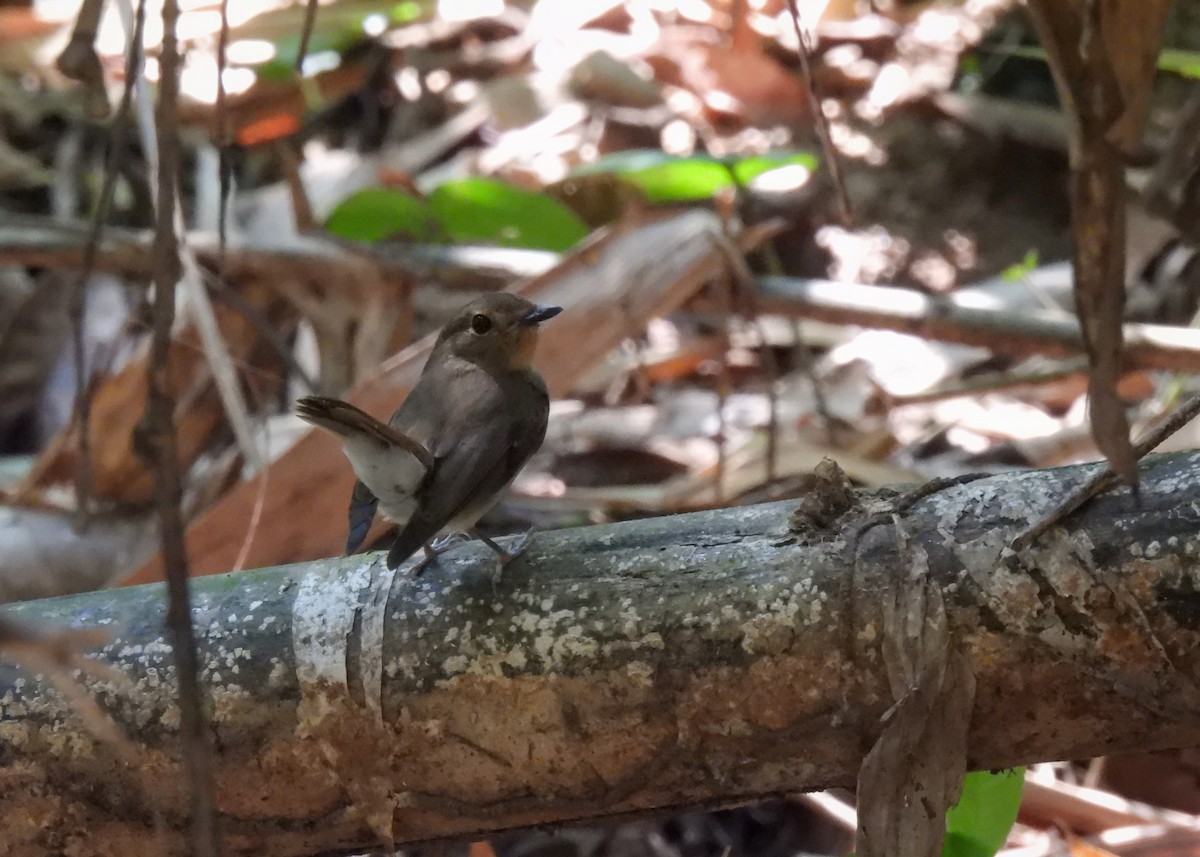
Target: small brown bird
{"x":474,"y":418}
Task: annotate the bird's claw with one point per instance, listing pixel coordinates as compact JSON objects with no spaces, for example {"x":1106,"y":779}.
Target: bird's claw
{"x":440,"y":546}
{"x":504,"y":555}
{"x":518,"y":545}
{"x":430,"y":557}
{"x":435,"y":548}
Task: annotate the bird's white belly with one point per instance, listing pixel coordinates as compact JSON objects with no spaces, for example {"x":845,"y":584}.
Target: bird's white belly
{"x":393,"y":474}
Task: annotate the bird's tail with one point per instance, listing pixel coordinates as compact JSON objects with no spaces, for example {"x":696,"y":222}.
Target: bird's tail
{"x":345,"y":420}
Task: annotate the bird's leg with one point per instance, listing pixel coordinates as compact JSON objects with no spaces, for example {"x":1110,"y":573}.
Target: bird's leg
{"x":506,"y":556}
{"x":435,"y":548}
{"x":430,"y":556}
{"x":521,"y":542}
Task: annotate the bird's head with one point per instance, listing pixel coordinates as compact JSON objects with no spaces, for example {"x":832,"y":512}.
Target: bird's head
{"x":496,"y":331}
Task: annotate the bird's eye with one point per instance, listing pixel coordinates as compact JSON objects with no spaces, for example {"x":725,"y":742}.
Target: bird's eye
{"x":480,"y":323}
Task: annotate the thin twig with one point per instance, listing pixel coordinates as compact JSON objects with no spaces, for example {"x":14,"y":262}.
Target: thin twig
{"x":79,"y":60}
{"x":143,"y":100}
{"x":1015,"y":333}
{"x":725,"y":290}
{"x":56,"y":655}
{"x":289,"y":163}
{"x":202,"y":312}
{"x":722,"y":292}
{"x":260,"y":502}
{"x":224,"y":168}
{"x":216,"y":352}
{"x":996,"y":382}
{"x":822,"y":122}
{"x":771,"y":369}
{"x":805,"y":358}
{"x":232,"y":299}
{"x":83,"y":388}
{"x":1105,"y":477}
{"x":743,"y":300}
{"x":159,"y":441}
{"x":748,"y":295}
{"x":808,"y":366}
{"x":310,"y":21}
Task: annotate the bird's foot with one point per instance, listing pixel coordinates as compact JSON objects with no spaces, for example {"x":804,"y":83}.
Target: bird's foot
{"x":520,"y":543}
{"x":504,"y":555}
{"x":440,"y":546}
{"x":435,"y":548}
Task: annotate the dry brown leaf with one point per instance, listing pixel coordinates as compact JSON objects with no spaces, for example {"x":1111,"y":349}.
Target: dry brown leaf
{"x":1103,"y":58}
{"x":482,"y":848}
{"x":748,"y":84}
{"x":1076,"y":847}
{"x":914,"y":771}
{"x":118,"y":474}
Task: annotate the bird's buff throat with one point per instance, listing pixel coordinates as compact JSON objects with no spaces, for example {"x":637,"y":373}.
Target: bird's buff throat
{"x":522,"y":355}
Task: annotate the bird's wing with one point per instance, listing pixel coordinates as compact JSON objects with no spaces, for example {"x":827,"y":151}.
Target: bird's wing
{"x":473,"y":467}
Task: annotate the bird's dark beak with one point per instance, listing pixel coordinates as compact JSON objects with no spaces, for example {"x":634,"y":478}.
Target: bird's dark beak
{"x":539,"y":314}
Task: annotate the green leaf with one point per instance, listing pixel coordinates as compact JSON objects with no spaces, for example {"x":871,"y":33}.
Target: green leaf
{"x":1182,"y":63}
{"x":338,"y":28}
{"x":958,"y":845}
{"x":1021,"y":270}
{"x":624,"y":162}
{"x":377,"y":213}
{"x":681,"y":181}
{"x":277,"y":71}
{"x":287,"y":48}
{"x":665,"y":179}
{"x":1171,"y":60}
{"x":406,"y":12}
{"x":978,"y":824}
{"x":495,"y":212}
{"x":745,"y":170}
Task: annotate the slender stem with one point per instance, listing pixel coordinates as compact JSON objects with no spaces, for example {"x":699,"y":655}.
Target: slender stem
{"x":159,"y":441}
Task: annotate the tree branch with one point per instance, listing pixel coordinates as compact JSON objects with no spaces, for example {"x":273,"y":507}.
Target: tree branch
{"x":710,"y":658}
{"x":1017,"y":333}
